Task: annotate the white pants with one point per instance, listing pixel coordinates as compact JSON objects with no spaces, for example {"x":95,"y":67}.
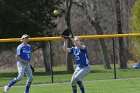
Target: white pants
{"x":79,"y":73}
{"x":24,"y":68}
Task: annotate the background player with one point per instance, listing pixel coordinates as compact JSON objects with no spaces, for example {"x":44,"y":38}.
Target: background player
{"x":82,"y":62}
{"x":23,"y":57}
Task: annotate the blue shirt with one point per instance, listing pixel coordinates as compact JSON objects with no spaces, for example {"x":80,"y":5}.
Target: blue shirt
{"x":80,"y":56}
{"x":24,"y":52}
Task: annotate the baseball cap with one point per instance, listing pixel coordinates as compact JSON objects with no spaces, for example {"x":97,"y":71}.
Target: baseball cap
{"x":25,"y":36}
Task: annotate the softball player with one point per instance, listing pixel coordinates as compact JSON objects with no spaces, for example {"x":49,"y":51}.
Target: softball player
{"x":23,"y":56}
{"x":82,"y":63}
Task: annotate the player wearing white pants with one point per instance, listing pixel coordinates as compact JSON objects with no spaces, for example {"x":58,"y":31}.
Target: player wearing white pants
{"x":24,"y":68}
{"x":78,"y":74}
{"x":23,"y":56}
{"x":82,"y":63}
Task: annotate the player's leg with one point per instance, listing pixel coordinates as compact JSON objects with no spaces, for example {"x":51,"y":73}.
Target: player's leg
{"x":73,"y":82}
{"x":29,"y":74}
{"x":81,"y":86}
{"x":81,"y":73}
{"x":74,"y":86}
{"x":21,"y":68}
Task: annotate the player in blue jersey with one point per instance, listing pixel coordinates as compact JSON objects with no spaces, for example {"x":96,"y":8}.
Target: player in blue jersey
{"x":82,"y":63}
{"x":23,"y":57}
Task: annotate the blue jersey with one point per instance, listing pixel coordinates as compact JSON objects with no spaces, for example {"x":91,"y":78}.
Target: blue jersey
{"x":80,"y":56}
{"x":24,"y":52}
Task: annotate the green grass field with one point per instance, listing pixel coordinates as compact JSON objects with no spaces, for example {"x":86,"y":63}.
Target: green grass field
{"x":98,"y":81}
{"x":97,"y":86}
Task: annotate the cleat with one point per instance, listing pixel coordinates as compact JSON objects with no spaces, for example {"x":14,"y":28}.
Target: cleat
{"x":24,"y":92}
{"x":6,"y":88}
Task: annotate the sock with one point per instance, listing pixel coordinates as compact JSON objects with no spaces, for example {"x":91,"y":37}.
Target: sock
{"x":81,"y":86}
{"x":82,"y":89}
{"x":27,"y":87}
{"x":74,"y":88}
{"x":11,"y":83}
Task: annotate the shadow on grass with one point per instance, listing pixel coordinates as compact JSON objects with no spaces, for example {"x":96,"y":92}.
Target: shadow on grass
{"x":49,"y":73}
{"x":14,"y":74}
{"x":9,"y":74}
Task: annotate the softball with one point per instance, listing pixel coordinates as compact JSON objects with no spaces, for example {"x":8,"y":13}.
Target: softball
{"x":55,"y":12}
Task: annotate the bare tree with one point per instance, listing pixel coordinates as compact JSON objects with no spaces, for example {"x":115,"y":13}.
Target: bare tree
{"x":95,"y":22}
{"x":46,"y":56}
{"x":122,"y":51}
{"x":67,"y":18}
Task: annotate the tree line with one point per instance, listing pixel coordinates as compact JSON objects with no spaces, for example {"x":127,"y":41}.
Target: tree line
{"x":83,"y":17}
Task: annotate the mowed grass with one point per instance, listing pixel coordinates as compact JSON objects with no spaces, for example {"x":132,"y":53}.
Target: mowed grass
{"x":97,"y":86}
{"x":61,"y":75}
{"x":104,"y":82}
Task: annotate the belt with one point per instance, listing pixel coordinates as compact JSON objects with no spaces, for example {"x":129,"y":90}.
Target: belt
{"x":84,"y":66}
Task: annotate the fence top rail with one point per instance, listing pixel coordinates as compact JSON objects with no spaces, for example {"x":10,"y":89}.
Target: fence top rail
{"x":82,"y":37}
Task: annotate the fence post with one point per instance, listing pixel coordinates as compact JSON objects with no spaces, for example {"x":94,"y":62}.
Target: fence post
{"x":51,"y":61}
{"x":115,"y":77}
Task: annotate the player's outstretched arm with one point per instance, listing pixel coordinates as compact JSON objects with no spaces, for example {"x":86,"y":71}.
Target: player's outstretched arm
{"x":65,"y":48}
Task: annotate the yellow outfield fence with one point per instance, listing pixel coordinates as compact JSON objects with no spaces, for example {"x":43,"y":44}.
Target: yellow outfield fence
{"x":82,"y":37}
